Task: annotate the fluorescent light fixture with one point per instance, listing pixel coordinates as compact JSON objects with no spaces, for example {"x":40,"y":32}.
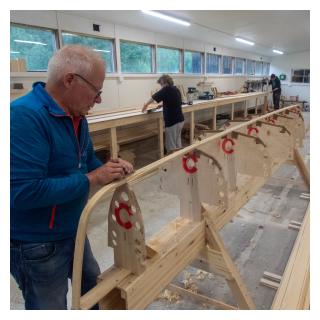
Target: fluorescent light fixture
{"x":165,"y":17}
{"x":101,"y":50}
{"x":277,"y":51}
{"x":245,"y":41}
{"x":69,"y":34}
{"x":32,"y":42}
{"x":14,"y":51}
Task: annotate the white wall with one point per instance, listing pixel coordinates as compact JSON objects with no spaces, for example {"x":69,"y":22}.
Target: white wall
{"x":284,"y":64}
{"x":122,"y":90}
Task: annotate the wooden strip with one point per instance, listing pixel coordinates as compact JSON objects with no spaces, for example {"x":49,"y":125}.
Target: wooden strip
{"x":272,"y":276}
{"x":293,"y":226}
{"x":293,"y":292}
{"x":201,"y":298}
{"x":109,"y":279}
{"x":297,"y":223}
{"x":302,"y":167}
{"x":269,"y":283}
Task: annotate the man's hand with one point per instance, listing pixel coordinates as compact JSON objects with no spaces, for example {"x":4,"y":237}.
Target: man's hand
{"x":145,"y":106}
{"x":112,"y":170}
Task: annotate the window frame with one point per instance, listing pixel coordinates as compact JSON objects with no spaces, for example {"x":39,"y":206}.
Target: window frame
{"x":201,"y":62}
{"x":56,"y":39}
{"x":172,"y":48}
{"x":243,"y":66}
{"x":113,"y":40}
{"x":153,"y":58}
{"x":232,"y":65}
{"x":302,"y":77}
{"x":219,"y":63}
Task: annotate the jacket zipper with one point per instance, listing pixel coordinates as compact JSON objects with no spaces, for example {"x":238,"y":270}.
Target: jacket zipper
{"x":53,"y":214}
{"x":54,"y":208}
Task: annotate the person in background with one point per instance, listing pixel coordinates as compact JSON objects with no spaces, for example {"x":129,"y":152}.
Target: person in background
{"x":276,"y":90}
{"x":172,"y":112}
{"x":53,"y":165}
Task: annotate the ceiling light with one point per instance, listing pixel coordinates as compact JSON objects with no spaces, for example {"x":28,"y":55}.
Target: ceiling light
{"x":32,"y":42}
{"x":165,"y":17}
{"x":245,"y":41}
{"x":101,"y":50}
{"x":14,"y":51}
{"x":277,"y":51}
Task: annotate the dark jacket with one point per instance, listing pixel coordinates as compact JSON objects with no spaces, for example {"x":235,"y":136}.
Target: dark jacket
{"x":49,"y":188}
{"x":276,"y":84}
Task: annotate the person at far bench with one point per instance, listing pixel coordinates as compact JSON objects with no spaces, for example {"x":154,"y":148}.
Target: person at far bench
{"x":276,"y":90}
{"x":172,"y":112}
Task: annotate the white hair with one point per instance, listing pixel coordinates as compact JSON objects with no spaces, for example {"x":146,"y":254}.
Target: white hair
{"x":74,"y":59}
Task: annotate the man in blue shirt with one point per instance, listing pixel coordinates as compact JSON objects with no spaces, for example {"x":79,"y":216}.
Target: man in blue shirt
{"x":53,"y":165}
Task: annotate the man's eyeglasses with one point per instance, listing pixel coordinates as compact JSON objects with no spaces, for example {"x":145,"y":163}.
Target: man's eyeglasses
{"x":98,"y":92}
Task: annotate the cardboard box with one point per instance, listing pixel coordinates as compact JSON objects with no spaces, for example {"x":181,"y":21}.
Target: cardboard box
{"x":18,"y":65}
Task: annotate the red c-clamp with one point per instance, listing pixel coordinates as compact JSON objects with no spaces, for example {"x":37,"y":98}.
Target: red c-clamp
{"x":223,"y":145}
{"x":126,"y":224}
{"x":250,"y":129}
{"x":185,"y":163}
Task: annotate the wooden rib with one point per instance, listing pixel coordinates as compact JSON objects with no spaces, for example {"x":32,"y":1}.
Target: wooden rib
{"x":293,"y":292}
{"x":201,"y":298}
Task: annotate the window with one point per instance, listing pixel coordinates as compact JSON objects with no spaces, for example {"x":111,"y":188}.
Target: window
{"x":266,"y":68}
{"x":239,"y":66}
{"x":102,"y":46}
{"x":213,"y":63}
{"x":192,"y":62}
{"x":168,"y":60}
{"x":35,"y":45}
{"x":227,"y":65}
{"x":300,"y":75}
{"x":250,"y":67}
{"x":135,"y":57}
{"x":258,"y":71}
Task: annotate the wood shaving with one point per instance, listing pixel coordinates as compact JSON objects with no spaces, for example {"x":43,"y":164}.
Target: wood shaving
{"x":169,"y":295}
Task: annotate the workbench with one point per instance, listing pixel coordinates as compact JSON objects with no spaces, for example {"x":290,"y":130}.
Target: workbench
{"x":101,"y":121}
{"x":284,"y":101}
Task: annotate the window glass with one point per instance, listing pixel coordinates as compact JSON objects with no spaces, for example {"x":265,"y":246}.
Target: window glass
{"x":213,"y":63}
{"x":103,"y":46}
{"x":226,"y":65}
{"x":35,"y":45}
{"x":192,"y":62}
{"x":168,"y":60}
{"x":135,"y":57}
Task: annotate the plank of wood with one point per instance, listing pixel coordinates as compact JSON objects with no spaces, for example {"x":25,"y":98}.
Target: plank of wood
{"x":269,"y":283}
{"x":107,"y":281}
{"x":201,"y":298}
{"x":272,"y":276}
{"x":293,"y":292}
{"x":293,"y":226}
{"x":302,"y":167}
{"x":297,"y":223}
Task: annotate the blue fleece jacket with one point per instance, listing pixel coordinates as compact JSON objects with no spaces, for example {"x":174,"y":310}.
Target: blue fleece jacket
{"x":49,"y":188}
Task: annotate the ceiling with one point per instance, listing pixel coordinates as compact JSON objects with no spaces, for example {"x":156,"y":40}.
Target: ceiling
{"x":288,"y":31}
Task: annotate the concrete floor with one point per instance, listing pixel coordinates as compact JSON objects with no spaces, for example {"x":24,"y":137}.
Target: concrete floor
{"x":258,"y":238}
